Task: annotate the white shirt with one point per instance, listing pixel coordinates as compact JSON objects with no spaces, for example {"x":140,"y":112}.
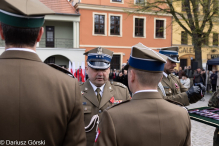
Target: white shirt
{"x":152,"y":90}
{"x":20,"y":49}
{"x":165,"y":74}
{"x":95,"y":87}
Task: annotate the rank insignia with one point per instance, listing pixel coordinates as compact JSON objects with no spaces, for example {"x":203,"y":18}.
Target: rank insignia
{"x":112,"y":100}
{"x":82,"y":93}
{"x":176,"y":85}
{"x":84,"y":103}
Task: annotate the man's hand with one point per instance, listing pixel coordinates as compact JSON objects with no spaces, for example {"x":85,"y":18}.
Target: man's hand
{"x":194,"y":93}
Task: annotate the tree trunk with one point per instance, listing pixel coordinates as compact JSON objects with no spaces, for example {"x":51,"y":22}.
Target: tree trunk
{"x":198,"y":53}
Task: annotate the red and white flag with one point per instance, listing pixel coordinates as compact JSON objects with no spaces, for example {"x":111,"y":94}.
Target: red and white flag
{"x":70,"y":67}
{"x":97,"y":135}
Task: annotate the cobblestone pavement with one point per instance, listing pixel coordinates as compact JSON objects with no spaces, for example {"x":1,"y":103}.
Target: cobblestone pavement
{"x":202,"y":134}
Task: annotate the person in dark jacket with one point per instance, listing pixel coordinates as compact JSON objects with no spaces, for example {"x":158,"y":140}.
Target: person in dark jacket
{"x":120,"y":78}
{"x":213,"y":81}
{"x":180,"y":72}
{"x":198,"y":77}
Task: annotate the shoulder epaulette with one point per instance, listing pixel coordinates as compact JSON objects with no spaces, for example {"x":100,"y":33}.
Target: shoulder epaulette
{"x":118,"y":84}
{"x":173,"y":75}
{"x":176,"y":103}
{"x":57,"y":67}
{"x":118,"y":104}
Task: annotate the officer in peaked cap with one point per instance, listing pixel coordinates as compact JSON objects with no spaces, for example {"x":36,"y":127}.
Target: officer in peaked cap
{"x":97,"y":92}
{"x":37,"y":102}
{"x":145,"y":119}
{"x":170,"y":86}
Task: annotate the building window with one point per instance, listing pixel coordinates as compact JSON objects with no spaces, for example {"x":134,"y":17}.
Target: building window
{"x":117,"y":1}
{"x":139,"y":1}
{"x":99,"y":24}
{"x":114,"y":25}
{"x":139,"y":27}
{"x":184,"y":38}
{"x":50,"y":36}
{"x":205,"y":39}
{"x":159,"y":31}
{"x":215,"y":39}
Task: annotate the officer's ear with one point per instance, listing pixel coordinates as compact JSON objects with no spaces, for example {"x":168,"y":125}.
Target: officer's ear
{"x":1,"y":32}
{"x":132,"y":75}
{"x":40,"y":34}
{"x":86,"y":68}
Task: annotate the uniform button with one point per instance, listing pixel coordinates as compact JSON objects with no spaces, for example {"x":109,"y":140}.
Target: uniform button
{"x":100,"y":111}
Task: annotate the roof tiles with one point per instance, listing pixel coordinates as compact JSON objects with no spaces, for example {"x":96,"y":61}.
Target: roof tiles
{"x":60,"y":6}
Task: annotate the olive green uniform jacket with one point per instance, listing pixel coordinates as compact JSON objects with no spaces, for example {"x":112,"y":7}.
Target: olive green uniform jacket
{"x":146,"y":120}
{"x":38,"y":102}
{"x":92,"y":106}
{"x":173,"y":92}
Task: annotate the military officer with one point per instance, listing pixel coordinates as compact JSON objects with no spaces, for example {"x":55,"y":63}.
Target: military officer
{"x":97,"y":92}
{"x":38,"y":104}
{"x":213,"y":102}
{"x":145,"y":119}
{"x":170,"y":86}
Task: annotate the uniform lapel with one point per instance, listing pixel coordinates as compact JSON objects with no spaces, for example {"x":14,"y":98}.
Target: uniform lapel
{"x":107,"y":94}
{"x":166,"y":81}
{"x":89,"y":93}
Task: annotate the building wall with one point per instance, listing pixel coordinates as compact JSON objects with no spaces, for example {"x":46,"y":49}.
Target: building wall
{"x":187,"y":51}
{"x":121,"y":44}
{"x":63,"y":34}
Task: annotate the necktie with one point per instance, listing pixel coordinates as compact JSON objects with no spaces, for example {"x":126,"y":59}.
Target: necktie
{"x":98,"y":94}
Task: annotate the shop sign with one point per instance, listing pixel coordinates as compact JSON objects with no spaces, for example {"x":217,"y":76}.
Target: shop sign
{"x":212,"y":56}
{"x":186,"y":50}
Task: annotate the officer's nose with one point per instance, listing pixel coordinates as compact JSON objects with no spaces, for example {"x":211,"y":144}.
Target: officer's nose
{"x":174,"y":64}
{"x":100,"y":73}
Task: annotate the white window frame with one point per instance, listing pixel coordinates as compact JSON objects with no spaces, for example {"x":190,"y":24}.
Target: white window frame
{"x":105,"y":24}
{"x":144,"y":28}
{"x":164,"y":19}
{"x":137,"y":4}
{"x":111,"y":1}
{"x":120,"y":25}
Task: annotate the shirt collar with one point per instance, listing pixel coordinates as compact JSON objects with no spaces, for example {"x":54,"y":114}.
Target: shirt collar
{"x":165,"y":74}
{"x":95,"y":87}
{"x":20,"y":49}
{"x":152,"y":90}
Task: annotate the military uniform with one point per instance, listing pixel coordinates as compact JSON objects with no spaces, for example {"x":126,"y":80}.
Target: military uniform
{"x":145,"y":119}
{"x":38,"y":104}
{"x":113,"y":93}
{"x":213,"y":102}
{"x":174,"y":90}
{"x":171,"y":88}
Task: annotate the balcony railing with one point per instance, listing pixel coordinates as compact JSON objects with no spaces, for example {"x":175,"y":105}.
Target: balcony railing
{"x":58,"y":43}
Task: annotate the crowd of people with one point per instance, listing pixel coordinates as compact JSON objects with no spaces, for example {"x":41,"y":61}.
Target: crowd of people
{"x":188,"y":77}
